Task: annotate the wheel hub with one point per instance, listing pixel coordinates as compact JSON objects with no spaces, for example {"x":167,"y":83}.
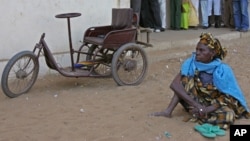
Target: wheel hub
{"x":20,"y":74}
{"x":130,"y":65}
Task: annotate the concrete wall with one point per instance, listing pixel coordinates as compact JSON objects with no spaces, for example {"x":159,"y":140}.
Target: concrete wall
{"x":23,"y":21}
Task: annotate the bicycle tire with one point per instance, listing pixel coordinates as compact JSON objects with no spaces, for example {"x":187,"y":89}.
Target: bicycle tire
{"x":20,"y":74}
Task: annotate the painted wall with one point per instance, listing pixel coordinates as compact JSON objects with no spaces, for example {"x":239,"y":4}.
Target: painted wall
{"x":23,"y":22}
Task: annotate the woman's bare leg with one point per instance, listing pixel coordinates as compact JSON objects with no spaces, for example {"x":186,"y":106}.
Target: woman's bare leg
{"x":168,"y":112}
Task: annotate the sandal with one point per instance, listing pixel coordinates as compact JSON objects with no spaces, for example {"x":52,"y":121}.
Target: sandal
{"x":209,"y":130}
{"x":204,"y":131}
{"x":214,"y":129}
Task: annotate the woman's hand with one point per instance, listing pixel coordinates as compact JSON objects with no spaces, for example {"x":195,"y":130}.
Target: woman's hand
{"x":199,"y":112}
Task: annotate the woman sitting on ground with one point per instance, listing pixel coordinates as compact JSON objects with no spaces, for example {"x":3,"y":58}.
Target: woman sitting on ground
{"x":207,"y":87}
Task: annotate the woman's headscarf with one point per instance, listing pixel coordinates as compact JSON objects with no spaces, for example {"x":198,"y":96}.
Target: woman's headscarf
{"x":214,"y":44}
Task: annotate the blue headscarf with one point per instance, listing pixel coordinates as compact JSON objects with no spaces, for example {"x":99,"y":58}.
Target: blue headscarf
{"x":223,"y":76}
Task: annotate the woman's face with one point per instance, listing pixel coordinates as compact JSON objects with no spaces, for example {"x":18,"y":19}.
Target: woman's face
{"x":203,"y":53}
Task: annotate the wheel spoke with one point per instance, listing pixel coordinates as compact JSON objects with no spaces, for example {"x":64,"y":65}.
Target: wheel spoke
{"x":103,"y":57}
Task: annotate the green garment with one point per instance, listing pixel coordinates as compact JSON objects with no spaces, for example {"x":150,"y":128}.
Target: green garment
{"x":185,"y":15}
{"x":175,"y":14}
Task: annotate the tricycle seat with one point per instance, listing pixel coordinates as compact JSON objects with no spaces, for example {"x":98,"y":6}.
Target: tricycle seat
{"x":112,"y":36}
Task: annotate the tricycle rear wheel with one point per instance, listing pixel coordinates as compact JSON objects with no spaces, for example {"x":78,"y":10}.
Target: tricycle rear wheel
{"x":129,"y":65}
{"x":19,"y":74}
{"x":103,"y":59}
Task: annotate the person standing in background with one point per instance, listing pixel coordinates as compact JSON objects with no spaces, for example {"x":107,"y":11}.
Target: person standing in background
{"x":150,"y":15}
{"x":145,"y":15}
{"x":175,"y":14}
{"x":194,"y":14}
{"x":163,"y":14}
{"x":214,"y":8}
{"x":241,"y":19}
{"x":185,"y":9}
{"x":204,"y":14}
{"x":136,"y":5}
{"x":196,"y":6}
{"x":228,"y":17}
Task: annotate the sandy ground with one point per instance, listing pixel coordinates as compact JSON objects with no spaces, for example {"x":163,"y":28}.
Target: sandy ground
{"x":88,"y":109}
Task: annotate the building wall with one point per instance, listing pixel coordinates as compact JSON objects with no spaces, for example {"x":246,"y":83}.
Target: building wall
{"x":23,"y":22}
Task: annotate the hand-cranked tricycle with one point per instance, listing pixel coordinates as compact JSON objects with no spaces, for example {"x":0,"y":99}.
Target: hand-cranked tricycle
{"x":110,"y":50}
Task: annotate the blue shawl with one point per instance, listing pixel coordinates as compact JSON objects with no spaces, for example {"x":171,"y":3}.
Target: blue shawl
{"x":223,"y":77}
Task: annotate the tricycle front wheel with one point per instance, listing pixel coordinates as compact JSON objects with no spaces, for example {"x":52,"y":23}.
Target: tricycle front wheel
{"x":129,"y":65}
{"x":20,"y":74}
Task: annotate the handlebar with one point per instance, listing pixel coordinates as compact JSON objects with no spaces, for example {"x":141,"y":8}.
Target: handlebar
{"x":68,"y":15}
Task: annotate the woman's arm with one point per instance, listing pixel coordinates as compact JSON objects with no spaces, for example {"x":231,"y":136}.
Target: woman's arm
{"x":178,"y":88}
{"x":206,"y":110}
{"x":180,"y":91}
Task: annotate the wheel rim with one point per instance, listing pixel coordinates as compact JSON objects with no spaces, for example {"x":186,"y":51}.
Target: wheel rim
{"x":21,"y":75}
{"x":131,"y":66}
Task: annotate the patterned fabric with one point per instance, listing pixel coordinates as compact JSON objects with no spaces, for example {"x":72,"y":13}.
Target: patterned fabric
{"x":193,"y":19}
{"x":222,"y":74}
{"x":201,"y":89}
{"x":213,"y":43}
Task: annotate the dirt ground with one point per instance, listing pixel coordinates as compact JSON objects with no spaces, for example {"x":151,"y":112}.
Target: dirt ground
{"x":88,"y":109}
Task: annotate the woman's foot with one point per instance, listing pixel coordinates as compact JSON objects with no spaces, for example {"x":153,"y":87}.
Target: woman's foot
{"x":163,"y":114}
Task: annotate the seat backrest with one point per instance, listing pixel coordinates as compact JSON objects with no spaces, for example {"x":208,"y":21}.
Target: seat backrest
{"x":121,"y":18}
{"x":135,"y":21}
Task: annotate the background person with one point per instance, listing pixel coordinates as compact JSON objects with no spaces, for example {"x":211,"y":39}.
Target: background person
{"x":136,"y":5}
{"x":204,"y":13}
{"x":185,"y":10}
{"x":214,"y":8}
{"x":175,"y":14}
{"x":241,"y":19}
{"x":194,"y":14}
{"x":150,"y":15}
{"x":228,"y":17}
{"x":163,"y":14}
